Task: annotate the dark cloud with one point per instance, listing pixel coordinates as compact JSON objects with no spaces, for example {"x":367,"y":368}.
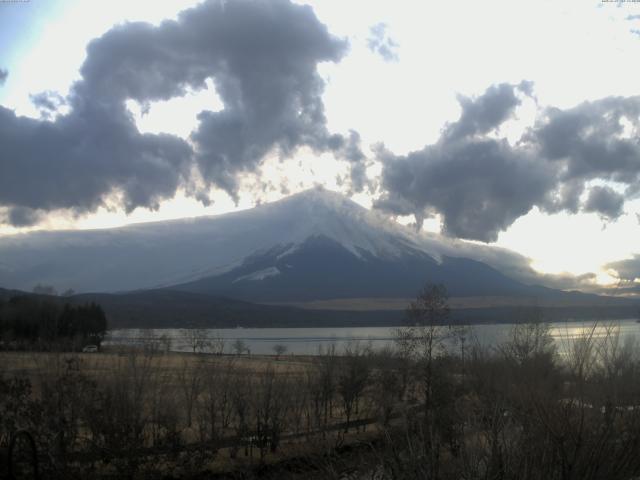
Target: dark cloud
{"x":630,"y":291}
{"x":566,"y":197}
{"x":47,"y":103}
{"x":4,"y":74}
{"x":262,"y":57}
{"x":605,"y":201}
{"x":567,"y":281}
{"x":349,"y":148}
{"x":590,"y":139}
{"x":487,"y":112}
{"x":589,"y":142}
{"x":23,"y":217}
{"x":76,"y":161}
{"x":379,"y":42}
{"x":628,"y":270}
{"x":480,"y":185}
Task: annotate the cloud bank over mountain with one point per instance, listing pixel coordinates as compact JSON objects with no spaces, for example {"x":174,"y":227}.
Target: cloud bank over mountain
{"x":628,"y":270}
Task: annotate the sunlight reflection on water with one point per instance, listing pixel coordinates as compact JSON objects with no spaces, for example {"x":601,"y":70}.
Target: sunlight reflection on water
{"x":306,"y":341}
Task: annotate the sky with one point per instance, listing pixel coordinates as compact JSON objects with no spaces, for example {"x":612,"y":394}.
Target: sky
{"x":514,"y":124}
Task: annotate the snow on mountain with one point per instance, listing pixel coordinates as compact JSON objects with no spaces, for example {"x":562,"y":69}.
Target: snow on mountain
{"x":320,"y":212}
{"x":172,"y":252}
{"x":258,"y":275}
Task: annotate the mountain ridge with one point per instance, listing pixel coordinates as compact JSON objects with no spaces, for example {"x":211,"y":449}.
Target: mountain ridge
{"x":254,"y":248}
{"x":154,"y":254}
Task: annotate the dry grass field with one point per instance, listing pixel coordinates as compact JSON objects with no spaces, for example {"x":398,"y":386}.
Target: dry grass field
{"x":96,"y":365}
{"x":520,"y":410}
{"x":182,"y":412}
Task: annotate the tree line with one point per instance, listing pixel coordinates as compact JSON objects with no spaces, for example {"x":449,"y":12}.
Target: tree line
{"x":27,"y":320}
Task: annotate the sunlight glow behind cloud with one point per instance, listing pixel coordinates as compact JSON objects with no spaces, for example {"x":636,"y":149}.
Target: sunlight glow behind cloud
{"x":573,"y":51}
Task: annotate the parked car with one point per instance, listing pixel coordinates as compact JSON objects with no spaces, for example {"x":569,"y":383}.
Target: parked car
{"x":90,"y":349}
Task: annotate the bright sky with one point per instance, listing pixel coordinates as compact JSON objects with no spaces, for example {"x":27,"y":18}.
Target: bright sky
{"x":573,"y":51}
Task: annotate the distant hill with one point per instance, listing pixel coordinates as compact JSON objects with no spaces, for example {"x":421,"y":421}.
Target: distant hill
{"x":165,"y":308}
{"x":175,"y":309}
{"x":6,"y":294}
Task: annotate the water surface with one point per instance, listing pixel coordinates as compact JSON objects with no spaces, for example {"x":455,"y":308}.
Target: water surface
{"x":307,"y":341}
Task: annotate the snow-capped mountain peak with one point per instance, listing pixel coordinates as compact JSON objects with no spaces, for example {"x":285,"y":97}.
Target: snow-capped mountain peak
{"x":180,"y":251}
{"x":321,"y":212}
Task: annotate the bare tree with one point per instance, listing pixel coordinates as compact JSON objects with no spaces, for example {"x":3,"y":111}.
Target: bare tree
{"x":300,"y":400}
{"x":424,"y":340}
{"x":327,"y":364}
{"x":190,"y":380}
{"x":151,"y":344}
{"x":279,"y":350}
{"x":461,"y":336}
{"x":241,"y":405}
{"x":217,"y":344}
{"x":165,"y":343}
{"x":387,"y":383}
{"x":239,"y":346}
{"x":196,"y":338}
{"x":216,"y":405}
{"x":313,"y":410}
{"x":352,"y":380}
{"x":117,"y":415}
{"x":270,"y":401}
{"x":530,"y":339}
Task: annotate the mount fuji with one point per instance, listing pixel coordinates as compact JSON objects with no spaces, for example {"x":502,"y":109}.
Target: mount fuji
{"x":315,"y":245}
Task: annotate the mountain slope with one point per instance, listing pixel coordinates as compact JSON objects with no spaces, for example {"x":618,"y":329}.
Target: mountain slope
{"x":164,"y":253}
{"x":321,"y":268}
{"x":313,"y":245}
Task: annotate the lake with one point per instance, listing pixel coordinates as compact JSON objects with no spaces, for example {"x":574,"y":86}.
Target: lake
{"x":307,"y":341}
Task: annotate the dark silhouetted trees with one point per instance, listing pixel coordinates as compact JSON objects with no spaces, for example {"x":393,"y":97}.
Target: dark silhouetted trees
{"x":29,"y":319}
